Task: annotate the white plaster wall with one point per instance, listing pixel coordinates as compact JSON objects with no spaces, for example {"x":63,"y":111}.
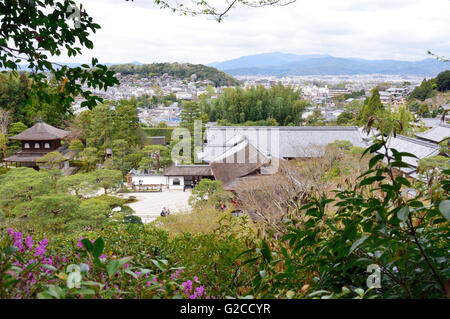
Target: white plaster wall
{"x":151,"y":180}
{"x":181,"y":186}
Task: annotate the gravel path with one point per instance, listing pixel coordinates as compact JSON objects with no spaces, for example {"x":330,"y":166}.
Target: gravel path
{"x":149,"y":205}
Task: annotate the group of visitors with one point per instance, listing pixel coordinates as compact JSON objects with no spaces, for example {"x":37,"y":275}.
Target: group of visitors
{"x":165,"y":212}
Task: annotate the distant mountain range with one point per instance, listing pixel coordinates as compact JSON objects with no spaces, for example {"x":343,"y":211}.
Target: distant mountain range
{"x":282,"y":64}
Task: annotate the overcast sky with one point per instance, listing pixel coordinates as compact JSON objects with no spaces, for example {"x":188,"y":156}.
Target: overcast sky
{"x":371,"y":29}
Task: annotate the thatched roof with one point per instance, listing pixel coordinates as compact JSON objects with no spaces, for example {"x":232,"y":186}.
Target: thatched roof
{"x":188,"y":170}
{"x":41,"y":132}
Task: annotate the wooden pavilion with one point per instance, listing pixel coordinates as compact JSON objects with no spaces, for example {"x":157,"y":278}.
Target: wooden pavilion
{"x":37,"y":141}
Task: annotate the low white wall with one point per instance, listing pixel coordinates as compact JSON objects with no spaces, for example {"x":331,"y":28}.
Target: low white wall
{"x":172,"y":178}
{"x":158,"y":180}
{"x":150,"y":180}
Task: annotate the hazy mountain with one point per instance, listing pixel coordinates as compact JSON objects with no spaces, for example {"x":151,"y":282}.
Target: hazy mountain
{"x":279,"y":64}
{"x":263,"y":60}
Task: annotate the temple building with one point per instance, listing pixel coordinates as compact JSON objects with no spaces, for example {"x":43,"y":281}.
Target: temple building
{"x":39,"y":140}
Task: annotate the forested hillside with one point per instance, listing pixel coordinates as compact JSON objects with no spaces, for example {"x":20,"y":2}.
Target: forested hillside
{"x":179,"y":70}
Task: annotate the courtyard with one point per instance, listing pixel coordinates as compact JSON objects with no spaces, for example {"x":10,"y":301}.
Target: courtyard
{"x":149,"y":205}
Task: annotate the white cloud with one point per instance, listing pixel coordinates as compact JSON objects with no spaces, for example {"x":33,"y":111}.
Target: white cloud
{"x":373,"y":29}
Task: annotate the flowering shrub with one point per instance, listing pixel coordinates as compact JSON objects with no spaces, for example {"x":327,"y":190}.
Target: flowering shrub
{"x":28,"y":270}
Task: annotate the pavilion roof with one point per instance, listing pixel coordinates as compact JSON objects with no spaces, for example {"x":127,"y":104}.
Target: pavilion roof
{"x":41,"y":132}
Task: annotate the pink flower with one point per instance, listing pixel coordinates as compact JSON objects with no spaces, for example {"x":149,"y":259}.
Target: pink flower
{"x":29,"y":242}
{"x":200,"y":291}
{"x":80,"y":244}
{"x":41,"y":249}
{"x":18,"y":239}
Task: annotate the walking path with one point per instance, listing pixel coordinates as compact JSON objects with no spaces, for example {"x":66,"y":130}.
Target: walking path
{"x":149,"y":205}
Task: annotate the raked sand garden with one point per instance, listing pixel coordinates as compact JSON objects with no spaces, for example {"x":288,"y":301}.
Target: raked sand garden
{"x":149,"y":205}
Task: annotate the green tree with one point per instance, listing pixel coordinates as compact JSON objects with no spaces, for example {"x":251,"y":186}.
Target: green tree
{"x":209,"y":190}
{"x":76,"y":145}
{"x":156,"y":157}
{"x":51,"y":160}
{"x":344,"y":118}
{"x":108,"y":178}
{"x":22,"y":185}
{"x":80,"y":184}
{"x":90,"y":156}
{"x":370,"y":106}
{"x":423,"y":110}
{"x":189,"y":113}
{"x":4,"y":145}
{"x":120,"y":149}
{"x":443,"y":81}
{"x":14,"y":129}
{"x":425,"y":91}
{"x":55,"y":212}
{"x":238,"y":106}
{"x":36,"y":31}
{"x":108,"y":122}
{"x":94,"y":213}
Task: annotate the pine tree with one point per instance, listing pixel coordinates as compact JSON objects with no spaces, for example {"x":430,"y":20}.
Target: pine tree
{"x":190,"y":113}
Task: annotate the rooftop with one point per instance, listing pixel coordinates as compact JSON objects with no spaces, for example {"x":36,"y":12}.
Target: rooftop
{"x":281,"y":141}
{"x":41,"y":132}
{"x":437,"y":134}
{"x":419,"y":148}
{"x":188,"y":170}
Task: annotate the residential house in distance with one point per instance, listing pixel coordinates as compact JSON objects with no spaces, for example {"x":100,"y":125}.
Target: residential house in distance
{"x":39,"y":140}
{"x":336,"y":91}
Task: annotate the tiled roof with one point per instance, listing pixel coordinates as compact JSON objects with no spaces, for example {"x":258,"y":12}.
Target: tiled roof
{"x":188,"y":170}
{"x":41,"y":132}
{"x":437,"y":134}
{"x":414,"y":146}
{"x":281,"y":142}
{"x":241,"y":160}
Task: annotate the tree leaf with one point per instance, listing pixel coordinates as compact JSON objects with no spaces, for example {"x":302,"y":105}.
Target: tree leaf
{"x":99,"y":245}
{"x":403,"y":214}
{"x":357,"y":243}
{"x":112,"y":267}
{"x":444,"y":207}
{"x":87,"y":244}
